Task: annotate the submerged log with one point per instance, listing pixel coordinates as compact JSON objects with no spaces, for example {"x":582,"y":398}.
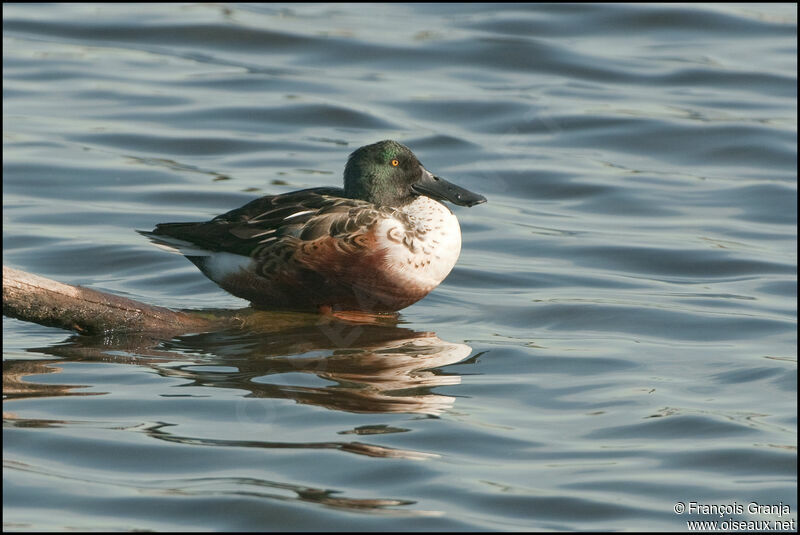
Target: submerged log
{"x":29,"y":297}
{"x":44,"y":301}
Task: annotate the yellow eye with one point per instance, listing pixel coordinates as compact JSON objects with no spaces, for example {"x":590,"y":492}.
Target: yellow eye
{"x":395,"y":163}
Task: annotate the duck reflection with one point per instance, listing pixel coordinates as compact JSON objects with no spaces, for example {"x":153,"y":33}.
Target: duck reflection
{"x":339,"y":365}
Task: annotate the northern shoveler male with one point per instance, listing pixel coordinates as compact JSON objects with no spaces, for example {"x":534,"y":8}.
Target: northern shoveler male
{"x":378,"y":245}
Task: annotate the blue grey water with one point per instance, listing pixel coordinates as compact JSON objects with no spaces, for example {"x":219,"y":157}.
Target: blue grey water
{"x":619,"y":334}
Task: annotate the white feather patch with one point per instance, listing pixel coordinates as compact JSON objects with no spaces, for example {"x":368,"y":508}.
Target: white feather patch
{"x":221,"y":265}
{"x":433,"y":254}
{"x":296,"y":214}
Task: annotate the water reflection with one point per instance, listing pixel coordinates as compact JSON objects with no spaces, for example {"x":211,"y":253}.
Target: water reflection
{"x":15,"y":385}
{"x":165,"y":433}
{"x":204,"y":487}
{"x":363,"y":368}
{"x":260,"y":488}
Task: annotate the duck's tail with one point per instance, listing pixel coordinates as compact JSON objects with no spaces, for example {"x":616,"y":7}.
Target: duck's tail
{"x":171,"y":243}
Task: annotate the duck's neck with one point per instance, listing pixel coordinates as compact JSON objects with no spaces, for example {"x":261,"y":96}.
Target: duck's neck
{"x":425,"y":209}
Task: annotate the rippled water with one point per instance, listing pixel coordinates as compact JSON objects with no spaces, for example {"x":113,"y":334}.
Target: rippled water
{"x":619,"y":333}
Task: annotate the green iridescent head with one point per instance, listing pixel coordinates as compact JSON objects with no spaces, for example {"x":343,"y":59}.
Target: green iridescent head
{"x":387,"y":173}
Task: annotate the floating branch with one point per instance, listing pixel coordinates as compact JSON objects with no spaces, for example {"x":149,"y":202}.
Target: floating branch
{"x":29,"y":297}
{"x":32,"y":298}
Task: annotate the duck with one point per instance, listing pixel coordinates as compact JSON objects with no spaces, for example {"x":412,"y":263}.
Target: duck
{"x":378,"y":245}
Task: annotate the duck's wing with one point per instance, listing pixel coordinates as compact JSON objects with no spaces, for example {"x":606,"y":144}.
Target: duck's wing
{"x":305,"y":215}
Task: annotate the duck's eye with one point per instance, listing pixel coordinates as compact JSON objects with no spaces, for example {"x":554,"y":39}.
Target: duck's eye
{"x":395,"y":163}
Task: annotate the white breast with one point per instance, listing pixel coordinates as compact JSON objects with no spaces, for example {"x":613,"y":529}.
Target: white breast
{"x":428,"y":255}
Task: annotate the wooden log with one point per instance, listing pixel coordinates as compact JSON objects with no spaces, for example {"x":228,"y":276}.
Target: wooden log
{"x":44,"y":301}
